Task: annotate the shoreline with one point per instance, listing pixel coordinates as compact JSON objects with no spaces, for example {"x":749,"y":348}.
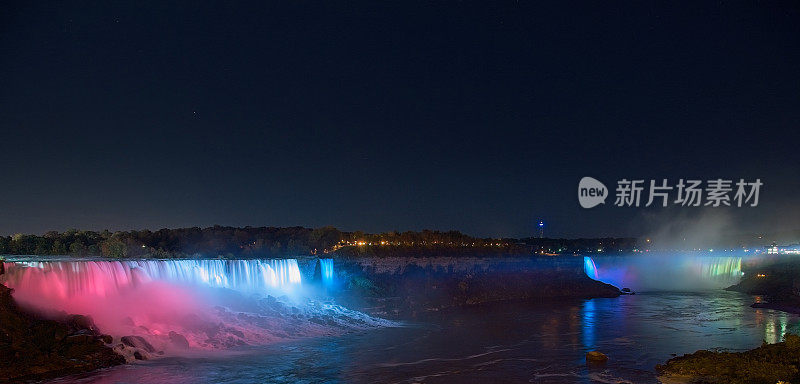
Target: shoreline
{"x":773,"y":282}
{"x":34,"y":348}
{"x":783,"y":307}
{"x":767,"y":364}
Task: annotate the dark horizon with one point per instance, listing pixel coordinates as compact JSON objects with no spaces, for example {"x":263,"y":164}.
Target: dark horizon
{"x":716,"y":237}
{"x":474,"y":117}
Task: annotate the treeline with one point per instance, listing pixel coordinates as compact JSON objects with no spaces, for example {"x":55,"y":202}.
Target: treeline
{"x":435,"y":250}
{"x":605,"y":244}
{"x":265,"y":242}
{"x":216,"y":241}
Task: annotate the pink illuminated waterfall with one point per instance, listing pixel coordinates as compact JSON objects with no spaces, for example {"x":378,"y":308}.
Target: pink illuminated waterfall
{"x":152,"y":298}
{"x":213,"y":304}
{"x":62,"y":279}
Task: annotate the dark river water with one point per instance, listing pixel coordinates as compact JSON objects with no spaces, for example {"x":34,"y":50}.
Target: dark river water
{"x":512,"y":342}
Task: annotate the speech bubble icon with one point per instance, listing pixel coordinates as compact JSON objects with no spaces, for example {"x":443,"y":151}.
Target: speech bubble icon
{"x":591,"y":192}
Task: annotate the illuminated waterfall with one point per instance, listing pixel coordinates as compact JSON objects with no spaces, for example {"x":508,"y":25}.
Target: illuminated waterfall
{"x":589,"y":268}
{"x":326,"y":270}
{"x":726,"y":269}
{"x":100,"y":278}
{"x":665,"y":272}
{"x":264,"y":301}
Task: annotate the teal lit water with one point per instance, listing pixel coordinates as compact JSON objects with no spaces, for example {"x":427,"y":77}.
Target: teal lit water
{"x":513,"y":342}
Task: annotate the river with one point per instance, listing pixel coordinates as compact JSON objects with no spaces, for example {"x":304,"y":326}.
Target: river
{"x":510,"y":342}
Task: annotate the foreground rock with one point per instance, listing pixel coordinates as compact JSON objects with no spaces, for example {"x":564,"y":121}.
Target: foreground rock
{"x":596,"y":357}
{"x":34,"y":349}
{"x":768,"y":364}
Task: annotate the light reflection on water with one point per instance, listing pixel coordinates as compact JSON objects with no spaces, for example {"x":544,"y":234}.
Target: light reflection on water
{"x":775,"y":325}
{"x":588,"y":322}
{"x":539,"y":343}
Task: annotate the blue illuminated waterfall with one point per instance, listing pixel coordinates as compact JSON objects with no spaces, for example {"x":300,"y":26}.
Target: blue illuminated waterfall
{"x":589,"y":267}
{"x":326,"y":271}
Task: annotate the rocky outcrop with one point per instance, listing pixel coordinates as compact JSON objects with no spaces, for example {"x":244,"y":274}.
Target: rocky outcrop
{"x":767,"y":364}
{"x":774,"y":281}
{"x":135,"y":348}
{"x":420,"y":284}
{"x":137,"y":342}
{"x":33,"y":348}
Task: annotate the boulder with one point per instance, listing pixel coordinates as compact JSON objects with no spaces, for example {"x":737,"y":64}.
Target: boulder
{"x":596,"y":357}
{"x":137,"y":342}
{"x":178,"y":340}
{"x":79,"y":322}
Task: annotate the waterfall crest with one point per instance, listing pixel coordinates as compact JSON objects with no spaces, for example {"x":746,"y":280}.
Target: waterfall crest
{"x":665,"y":272}
{"x":101,"y":278}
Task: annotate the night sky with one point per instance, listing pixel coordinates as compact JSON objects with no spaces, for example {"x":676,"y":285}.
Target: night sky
{"x":385,"y":115}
